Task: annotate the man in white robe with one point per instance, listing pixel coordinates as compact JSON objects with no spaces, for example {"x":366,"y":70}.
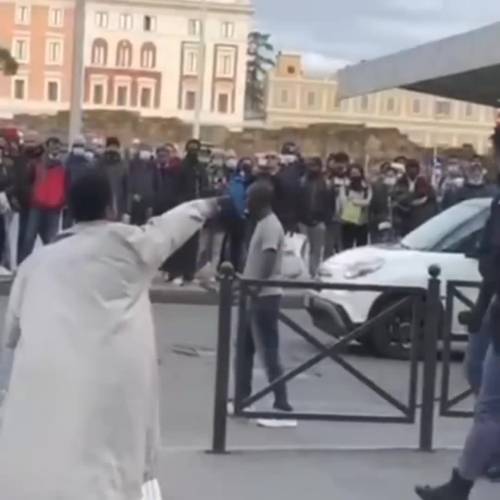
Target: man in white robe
{"x":81,"y":415}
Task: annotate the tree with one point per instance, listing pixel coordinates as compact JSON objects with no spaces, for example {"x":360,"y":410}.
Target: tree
{"x":260,"y":60}
{"x":8,"y":65}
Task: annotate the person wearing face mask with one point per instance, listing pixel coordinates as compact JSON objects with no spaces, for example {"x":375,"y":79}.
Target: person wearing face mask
{"x":316,"y":206}
{"x":475,"y":185}
{"x":77,"y":165}
{"x":452,"y":183}
{"x":113,"y":165}
{"x":193,"y":184}
{"x":140,"y":184}
{"x":380,"y":211}
{"x":48,"y":197}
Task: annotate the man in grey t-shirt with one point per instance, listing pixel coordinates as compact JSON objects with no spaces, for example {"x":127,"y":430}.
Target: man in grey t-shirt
{"x":264,"y":261}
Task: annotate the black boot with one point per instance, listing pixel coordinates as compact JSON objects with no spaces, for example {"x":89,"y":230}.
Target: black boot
{"x":457,"y":488}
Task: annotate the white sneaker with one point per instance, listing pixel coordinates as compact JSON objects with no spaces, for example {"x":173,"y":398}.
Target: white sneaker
{"x":178,"y":282}
{"x":230,"y":408}
{"x":272,"y":423}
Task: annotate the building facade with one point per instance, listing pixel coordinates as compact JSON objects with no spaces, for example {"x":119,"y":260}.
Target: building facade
{"x":296,"y":99}
{"x":139,"y":56}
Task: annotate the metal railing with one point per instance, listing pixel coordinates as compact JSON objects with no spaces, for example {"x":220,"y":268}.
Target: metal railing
{"x":426,"y":307}
{"x":447,"y":402}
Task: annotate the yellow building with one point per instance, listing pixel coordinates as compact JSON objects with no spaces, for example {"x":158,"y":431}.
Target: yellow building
{"x":295,"y":98}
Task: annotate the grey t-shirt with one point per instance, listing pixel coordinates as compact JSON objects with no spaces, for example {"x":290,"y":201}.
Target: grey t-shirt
{"x":268,"y":235}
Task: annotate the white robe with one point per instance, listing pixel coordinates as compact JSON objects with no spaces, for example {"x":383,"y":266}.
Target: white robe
{"x":81,"y":415}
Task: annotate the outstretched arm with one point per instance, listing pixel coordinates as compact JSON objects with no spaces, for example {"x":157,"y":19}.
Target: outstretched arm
{"x":163,"y":235}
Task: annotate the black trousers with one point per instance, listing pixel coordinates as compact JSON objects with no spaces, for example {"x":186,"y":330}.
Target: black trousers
{"x":184,"y":262}
{"x":354,"y":236}
{"x":233,"y":245}
{"x":262,"y":336}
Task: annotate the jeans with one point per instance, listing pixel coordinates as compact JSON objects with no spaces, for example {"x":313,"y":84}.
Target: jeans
{"x":333,"y":239}
{"x":262,"y":337}
{"x":316,"y":237}
{"x":43,"y":223}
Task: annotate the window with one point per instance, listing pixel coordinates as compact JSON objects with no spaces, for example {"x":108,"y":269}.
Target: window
{"x":443,"y":108}
{"x":124,"y":54}
{"x":223,"y":103}
{"x":126,"y":22}
{"x":191,"y":63}
{"x":311,"y":99}
{"x":54,"y":52}
{"x":290,"y":70}
{"x":53,"y":91}
{"x":23,"y":14}
{"x":194,"y":27}
{"x":227,"y":30}
{"x":284,"y":96}
{"x":469,"y":110}
{"x":390,"y":105}
{"x":416,"y":106}
{"x":20,"y":50}
{"x":365,"y":103}
{"x":56,"y":18}
{"x":19,"y":89}
{"x":99,"y":55}
{"x":122,"y":95}
{"x":224,"y":65}
{"x":98,"y":93}
{"x":190,"y":100}
{"x":148,"y":55}
{"x":101,"y":19}
{"x":149,"y":23}
{"x":146,"y":97}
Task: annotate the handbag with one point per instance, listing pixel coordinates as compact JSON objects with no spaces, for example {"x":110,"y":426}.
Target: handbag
{"x":352,"y":214}
{"x":151,"y":490}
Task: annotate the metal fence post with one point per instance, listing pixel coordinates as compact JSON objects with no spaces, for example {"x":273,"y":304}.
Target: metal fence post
{"x":223,"y":358}
{"x":431,"y":335}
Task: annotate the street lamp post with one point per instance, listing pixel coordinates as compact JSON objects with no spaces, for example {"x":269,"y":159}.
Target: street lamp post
{"x":201,"y":71}
{"x":75,"y":111}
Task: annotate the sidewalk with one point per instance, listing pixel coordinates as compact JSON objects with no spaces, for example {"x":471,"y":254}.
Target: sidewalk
{"x":307,"y":475}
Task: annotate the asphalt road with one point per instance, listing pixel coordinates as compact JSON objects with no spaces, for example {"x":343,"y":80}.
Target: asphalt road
{"x":313,"y":455}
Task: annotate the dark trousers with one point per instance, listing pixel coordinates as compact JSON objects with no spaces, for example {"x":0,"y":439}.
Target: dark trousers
{"x":21,"y":235}
{"x":183,"y":262}
{"x":43,"y":223}
{"x":233,"y":246}
{"x":262,"y":337}
{"x":354,"y":236}
{"x":139,"y":213}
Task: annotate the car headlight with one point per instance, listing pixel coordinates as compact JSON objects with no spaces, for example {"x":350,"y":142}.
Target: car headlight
{"x":360,"y":269}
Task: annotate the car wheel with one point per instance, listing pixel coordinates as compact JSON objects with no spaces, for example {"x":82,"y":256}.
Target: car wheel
{"x":392,"y":340}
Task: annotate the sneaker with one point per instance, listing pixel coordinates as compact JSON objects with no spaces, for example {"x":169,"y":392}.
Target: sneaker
{"x":178,"y":282}
{"x":230,"y":408}
{"x":284,"y":407}
{"x":277,"y":423}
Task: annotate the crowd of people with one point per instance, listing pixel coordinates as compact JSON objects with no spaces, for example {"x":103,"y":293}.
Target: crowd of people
{"x":334,"y":202}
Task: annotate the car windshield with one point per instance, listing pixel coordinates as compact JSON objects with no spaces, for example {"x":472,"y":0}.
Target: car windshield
{"x":431,"y":233}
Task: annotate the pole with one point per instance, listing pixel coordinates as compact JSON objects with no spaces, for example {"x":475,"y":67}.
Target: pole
{"x":223,"y":359}
{"x":75,"y":111}
{"x":431,"y":331}
{"x":201,"y":72}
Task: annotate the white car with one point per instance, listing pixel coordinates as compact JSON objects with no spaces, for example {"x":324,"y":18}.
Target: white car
{"x":450,"y":240}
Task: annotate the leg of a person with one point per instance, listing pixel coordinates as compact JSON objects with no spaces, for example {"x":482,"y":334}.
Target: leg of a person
{"x":3,"y":239}
{"x":483,"y":442}
{"x":329,"y":240}
{"x":306,"y":231}
{"x":266,"y":338}
{"x":244,"y":373}
{"x":49,"y":225}
{"x":138,"y":213}
{"x":32,"y":229}
{"x":361,"y":236}
{"x":476,"y":353}
{"x":190,"y":258}
{"x":317,"y":241}
{"x":348,"y":235}
{"x":21,"y":234}
{"x":237,"y":242}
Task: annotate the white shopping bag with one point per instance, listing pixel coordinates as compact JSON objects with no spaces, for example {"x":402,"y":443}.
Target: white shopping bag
{"x":151,"y":490}
{"x":295,"y":257}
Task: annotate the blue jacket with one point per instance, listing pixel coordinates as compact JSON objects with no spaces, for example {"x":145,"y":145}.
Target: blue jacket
{"x":237,"y":190}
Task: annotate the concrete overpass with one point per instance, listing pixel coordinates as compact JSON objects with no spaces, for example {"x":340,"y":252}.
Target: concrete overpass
{"x":464,"y":67}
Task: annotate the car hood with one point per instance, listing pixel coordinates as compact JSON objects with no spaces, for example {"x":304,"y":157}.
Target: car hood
{"x":370,"y":253}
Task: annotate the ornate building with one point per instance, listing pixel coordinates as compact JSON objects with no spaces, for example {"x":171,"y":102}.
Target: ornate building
{"x":140,"y":56}
{"x":297,"y":99}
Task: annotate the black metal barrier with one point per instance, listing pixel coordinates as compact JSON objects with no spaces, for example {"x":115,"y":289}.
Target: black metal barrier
{"x":426,"y":307}
{"x":454,"y":294}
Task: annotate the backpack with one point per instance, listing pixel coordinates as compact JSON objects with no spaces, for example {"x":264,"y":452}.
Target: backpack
{"x":50,"y":187}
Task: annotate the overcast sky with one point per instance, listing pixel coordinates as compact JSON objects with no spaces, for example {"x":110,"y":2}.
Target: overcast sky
{"x":331,"y":33}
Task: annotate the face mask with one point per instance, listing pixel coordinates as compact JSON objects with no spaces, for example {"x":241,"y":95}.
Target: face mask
{"x":390,"y":181}
{"x":144,"y":155}
{"x":218,"y":162}
{"x":78,"y":151}
{"x":89,"y":156}
{"x":262,"y":162}
{"x":232,"y":163}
